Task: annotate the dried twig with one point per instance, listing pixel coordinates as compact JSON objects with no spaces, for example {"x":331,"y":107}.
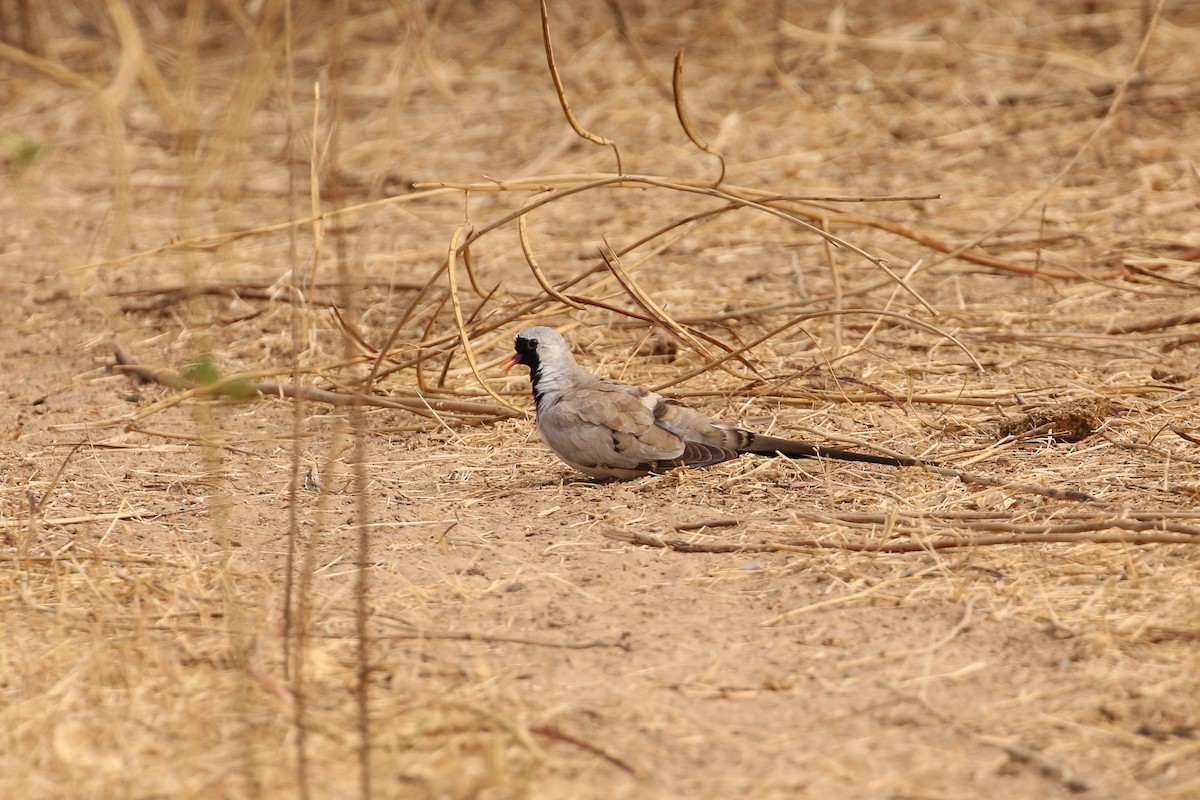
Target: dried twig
{"x":562,"y":94}
{"x":413,"y":631}
{"x":420,"y":406}
{"x":656,"y":313}
{"x":1155,"y":323}
{"x":523,"y":232}
{"x":686,"y":123}
{"x":786,"y":205}
{"x":470,"y":266}
{"x":164,"y":296}
{"x":691,"y":188}
{"x":553,"y":732}
{"x":1092,"y":532}
{"x":464,"y":337}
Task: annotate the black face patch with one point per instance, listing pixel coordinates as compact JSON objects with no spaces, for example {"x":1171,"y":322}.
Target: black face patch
{"x":526,"y":351}
{"x":527,"y":354}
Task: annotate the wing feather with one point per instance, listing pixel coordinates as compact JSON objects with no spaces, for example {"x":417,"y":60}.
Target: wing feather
{"x":611,"y":425}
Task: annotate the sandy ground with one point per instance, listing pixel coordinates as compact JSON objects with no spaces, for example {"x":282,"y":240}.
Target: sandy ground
{"x":762,"y":628}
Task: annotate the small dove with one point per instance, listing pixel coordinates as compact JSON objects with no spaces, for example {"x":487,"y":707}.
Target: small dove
{"x":613,"y":430}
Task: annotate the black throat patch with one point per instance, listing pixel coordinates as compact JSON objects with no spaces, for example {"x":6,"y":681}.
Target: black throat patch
{"x":527,"y":354}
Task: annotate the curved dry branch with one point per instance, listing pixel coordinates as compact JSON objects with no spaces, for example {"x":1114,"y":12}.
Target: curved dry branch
{"x":793,"y":322}
{"x":661,"y":318}
{"x":466,"y":256}
{"x":523,"y":235}
{"x":404,"y":318}
{"x":562,"y":93}
{"x":451,"y":256}
{"x":704,"y":189}
{"x":685,"y":122}
{"x":808,"y":206}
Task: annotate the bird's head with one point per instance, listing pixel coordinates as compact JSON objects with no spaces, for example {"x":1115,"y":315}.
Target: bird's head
{"x":537,"y":346}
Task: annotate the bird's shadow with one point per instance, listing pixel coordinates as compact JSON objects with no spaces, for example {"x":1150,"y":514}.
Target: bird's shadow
{"x":567,"y":479}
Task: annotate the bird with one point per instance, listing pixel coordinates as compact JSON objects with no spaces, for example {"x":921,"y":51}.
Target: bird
{"x":611,"y":430}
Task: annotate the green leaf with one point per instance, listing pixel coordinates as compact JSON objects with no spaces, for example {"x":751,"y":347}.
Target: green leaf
{"x":19,"y":150}
{"x":202,"y":371}
{"x":240,"y":389}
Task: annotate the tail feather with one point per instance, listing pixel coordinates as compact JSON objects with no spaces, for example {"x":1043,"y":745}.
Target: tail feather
{"x":759,"y":445}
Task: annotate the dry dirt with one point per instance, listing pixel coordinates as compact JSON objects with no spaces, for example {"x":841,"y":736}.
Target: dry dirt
{"x":762,"y":628}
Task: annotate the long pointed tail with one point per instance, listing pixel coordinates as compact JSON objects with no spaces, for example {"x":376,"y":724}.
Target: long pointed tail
{"x":759,"y":445}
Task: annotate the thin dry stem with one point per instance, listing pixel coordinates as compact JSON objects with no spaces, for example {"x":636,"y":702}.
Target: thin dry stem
{"x":685,"y":122}
{"x":562,"y":93}
{"x":465,"y":337}
{"x":523,"y":233}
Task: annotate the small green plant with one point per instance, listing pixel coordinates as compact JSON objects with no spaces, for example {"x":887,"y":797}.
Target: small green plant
{"x":20,"y":151}
{"x":205,"y":372}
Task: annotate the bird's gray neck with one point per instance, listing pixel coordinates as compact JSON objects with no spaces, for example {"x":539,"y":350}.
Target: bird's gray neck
{"x":550,"y":383}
